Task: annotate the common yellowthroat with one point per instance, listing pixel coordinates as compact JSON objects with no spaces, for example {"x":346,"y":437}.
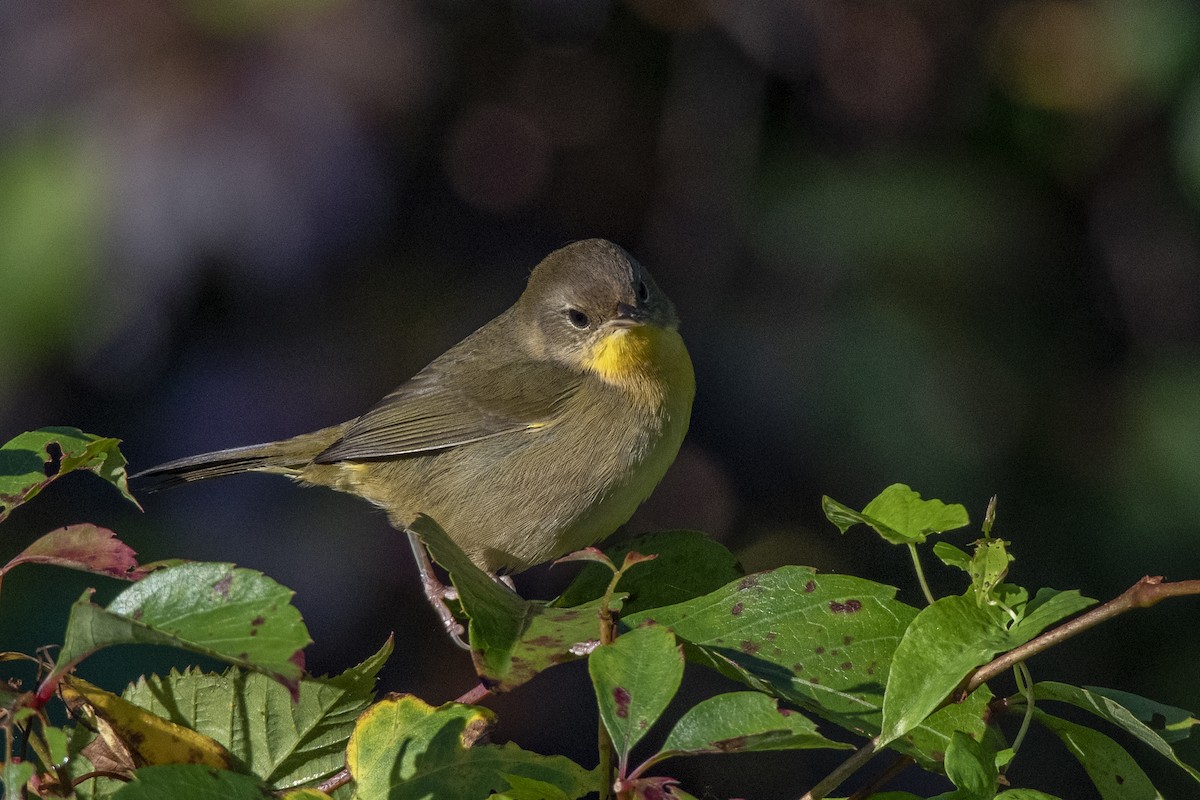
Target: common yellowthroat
{"x":537,"y":435}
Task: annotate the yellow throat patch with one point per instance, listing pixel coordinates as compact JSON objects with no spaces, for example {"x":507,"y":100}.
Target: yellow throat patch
{"x":647,"y":360}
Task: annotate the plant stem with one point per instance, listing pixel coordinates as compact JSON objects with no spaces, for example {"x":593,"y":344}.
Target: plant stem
{"x":608,"y":635}
{"x":1025,"y":687}
{"x":97,"y":773}
{"x":606,"y":762}
{"x":912,"y":550}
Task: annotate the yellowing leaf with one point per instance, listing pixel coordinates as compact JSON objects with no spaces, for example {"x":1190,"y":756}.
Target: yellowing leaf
{"x":129,"y":730}
{"x":404,"y":748}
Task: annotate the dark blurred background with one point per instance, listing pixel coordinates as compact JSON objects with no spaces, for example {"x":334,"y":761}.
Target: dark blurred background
{"x":948,"y":244}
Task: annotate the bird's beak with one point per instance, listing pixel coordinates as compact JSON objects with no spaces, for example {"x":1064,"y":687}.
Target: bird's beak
{"x":629,"y":316}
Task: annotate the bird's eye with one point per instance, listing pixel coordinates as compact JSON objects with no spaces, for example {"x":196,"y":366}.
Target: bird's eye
{"x":643,"y":291}
{"x":577,"y":318}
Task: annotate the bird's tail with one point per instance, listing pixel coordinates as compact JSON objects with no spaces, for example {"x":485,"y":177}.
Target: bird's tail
{"x":287,"y":456}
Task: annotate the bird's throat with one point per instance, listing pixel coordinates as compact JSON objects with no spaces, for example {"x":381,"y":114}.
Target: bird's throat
{"x":649,"y":361}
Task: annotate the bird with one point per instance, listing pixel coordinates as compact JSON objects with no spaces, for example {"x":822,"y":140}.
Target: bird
{"x":535,"y":436}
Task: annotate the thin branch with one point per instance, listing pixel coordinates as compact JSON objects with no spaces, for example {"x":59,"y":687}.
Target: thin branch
{"x":884,"y":778}
{"x":843,"y":771}
{"x":1143,"y":594}
{"x":337,"y":780}
{"x":473,"y":696}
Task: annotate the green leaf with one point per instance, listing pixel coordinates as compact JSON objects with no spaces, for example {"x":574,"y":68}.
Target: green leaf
{"x":33,"y":460}
{"x":190,"y":782}
{"x":550,"y":636}
{"x":635,"y":678}
{"x":56,"y":746}
{"x":1111,"y":706}
{"x":971,"y":767}
{"x":952,"y":556}
{"x":1113,"y":771}
{"x":899,"y":515}
{"x":403,"y":748}
{"x":943,"y":644}
{"x":688,"y":564}
{"x":14,"y":776}
{"x":497,"y":614}
{"x":1025,"y":794}
{"x":1171,"y":723}
{"x":83,"y":547}
{"x":237,"y":615}
{"x":743,"y":722}
{"x":1047,"y":607}
{"x":287,"y":743}
{"x":512,"y":640}
{"x":988,"y":567}
{"x":822,"y":642}
{"x":948,"y":640}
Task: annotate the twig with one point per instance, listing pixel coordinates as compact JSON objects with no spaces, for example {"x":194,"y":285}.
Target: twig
{"x":884,"y":778}
{"x":1143,"y":594}
{"x":473,"y":696}
{"x":337,"y":780}
{"x":844,"y":770}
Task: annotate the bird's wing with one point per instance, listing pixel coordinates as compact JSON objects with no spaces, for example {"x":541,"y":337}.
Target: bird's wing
{"x":454,"y":401}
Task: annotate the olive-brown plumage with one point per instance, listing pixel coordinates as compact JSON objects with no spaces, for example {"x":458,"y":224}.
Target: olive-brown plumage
{"x":538,"y":434}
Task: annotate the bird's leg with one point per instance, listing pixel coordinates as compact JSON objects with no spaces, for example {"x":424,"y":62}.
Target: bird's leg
{"x":437,"y":592}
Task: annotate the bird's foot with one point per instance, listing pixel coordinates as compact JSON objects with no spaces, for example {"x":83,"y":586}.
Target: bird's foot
{"x":437,"y":593}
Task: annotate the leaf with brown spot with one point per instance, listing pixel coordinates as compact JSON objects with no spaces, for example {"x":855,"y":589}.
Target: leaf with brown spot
{"x":1114,"y":772}
{"x":132,"y":735}
{"x":512,"y":639}
{"x":178,"y":607}
{"x":635,"y":678}
{"x":742,"y":722}
{"x":794,"y":603}
{"x":1155,"y":724}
